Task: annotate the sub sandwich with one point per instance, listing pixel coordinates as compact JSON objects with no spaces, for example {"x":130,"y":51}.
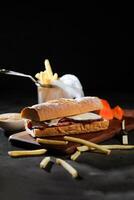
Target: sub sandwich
{"x":64,"y":117}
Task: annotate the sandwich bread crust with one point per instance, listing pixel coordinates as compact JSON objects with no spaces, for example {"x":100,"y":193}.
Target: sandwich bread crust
{"x":76,"y":128}
{"x":61,"y":108}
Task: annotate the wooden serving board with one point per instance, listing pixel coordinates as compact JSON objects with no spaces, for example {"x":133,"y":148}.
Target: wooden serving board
{"x":23,"y":138}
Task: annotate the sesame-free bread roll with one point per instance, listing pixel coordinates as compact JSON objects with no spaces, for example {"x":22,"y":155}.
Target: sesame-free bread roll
{"x":76,"y":128}
{"x":61,"y":108}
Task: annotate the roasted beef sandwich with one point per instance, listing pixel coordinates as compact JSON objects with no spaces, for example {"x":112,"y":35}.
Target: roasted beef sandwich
{"x":64,"y":117}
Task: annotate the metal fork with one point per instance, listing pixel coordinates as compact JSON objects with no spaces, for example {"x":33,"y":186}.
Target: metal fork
{"x":9,"y":72}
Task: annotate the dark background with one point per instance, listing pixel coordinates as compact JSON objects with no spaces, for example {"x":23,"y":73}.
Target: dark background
{"x":94,"y":42}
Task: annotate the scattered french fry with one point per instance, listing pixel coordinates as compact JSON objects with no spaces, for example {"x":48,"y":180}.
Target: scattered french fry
{"x":118,"y":147}
{"x":75,"y":155}
{"x":51,"y":142}
{"x":44,"y":162}
{"x":68,"y":167}
{"x":88,"y":143}
{"x":83,"y":148}
{"x":86,"y":148}
{"x":110,"y":147}
{"x":27,"y":153}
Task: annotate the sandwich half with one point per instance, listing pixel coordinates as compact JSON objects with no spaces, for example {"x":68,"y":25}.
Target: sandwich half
{"x":64,"y":117}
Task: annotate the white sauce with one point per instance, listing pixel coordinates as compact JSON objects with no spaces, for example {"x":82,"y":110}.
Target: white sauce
{"x":81,"y":117}
{"x":85,"y":116}
{"x":53,"y":122}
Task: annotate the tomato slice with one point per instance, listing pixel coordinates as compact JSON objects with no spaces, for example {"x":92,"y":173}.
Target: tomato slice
{"x":118,"y":112}
{"x":106,"y":112}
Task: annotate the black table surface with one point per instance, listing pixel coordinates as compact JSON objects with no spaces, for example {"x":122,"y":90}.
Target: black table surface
{"x":101,"y":176}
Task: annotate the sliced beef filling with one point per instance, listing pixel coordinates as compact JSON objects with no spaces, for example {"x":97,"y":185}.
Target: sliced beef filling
{"x":61,"y":122}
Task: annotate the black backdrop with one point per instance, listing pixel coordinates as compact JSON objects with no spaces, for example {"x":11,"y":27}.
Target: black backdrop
{"x":95,"y":43}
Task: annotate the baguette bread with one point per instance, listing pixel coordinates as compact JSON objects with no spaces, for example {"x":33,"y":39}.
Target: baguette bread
{"x":76,"y":128}
{"x":61,"y":108}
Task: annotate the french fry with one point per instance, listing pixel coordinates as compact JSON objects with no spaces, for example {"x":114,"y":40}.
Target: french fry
{"x":27,"y":153}
{"x":84,"y":148}
{"x":88,"y":143}
{"x":55,"y":76}
{"x":118,"y":147}
{"x":48,"y":69}
{"x":46,"y":77}
{"x":51,"y":142}
{"x":37,"y":75}
{"x":41,"y":77}
{"x":44,"y":162}
{"x":68,"y":167}
{"x":75,"y":155}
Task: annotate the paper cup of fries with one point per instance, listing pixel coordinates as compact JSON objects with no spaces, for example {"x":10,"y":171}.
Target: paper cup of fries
{"x":46,"y":90}
{"x":50,"y":92}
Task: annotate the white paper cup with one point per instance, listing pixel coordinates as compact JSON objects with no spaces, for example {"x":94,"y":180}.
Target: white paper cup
{"x":50,"y":92}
